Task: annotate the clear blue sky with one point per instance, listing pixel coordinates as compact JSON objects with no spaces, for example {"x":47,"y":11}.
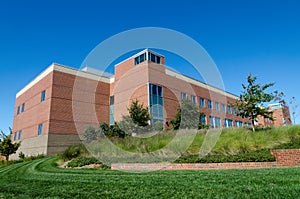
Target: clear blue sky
{"x":261,"y":37}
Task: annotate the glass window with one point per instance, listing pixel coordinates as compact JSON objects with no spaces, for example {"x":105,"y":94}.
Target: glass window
{"x":20,"y":135}
{"x":158,"y":60}
{"x":40,"y":129}
{"x":225,"y":123}
{"x":141,"y":58}
{"x":15,"y":136}
{"x":217,"y":106}
{"x":193,"y":99}
{"x":43,"y":95}
{"x":136,"y":61}
{"x":183,"y":96}
{"x":209,"y":104}
{"x":223,"y":108}
{"x":212,"y":122}
{"x":152,"y":57}
{"x":229,"y":123}
{"x":159,"y":91}
{"x":156,"y":103}
{"x":234,"y":111}
{"x":23,"y":107}
{"x":229,"y":109}
{"x":18,"y":111}
{"x":111,"y":110}
{"x":217,"y":122}
{"x":202,"y":102}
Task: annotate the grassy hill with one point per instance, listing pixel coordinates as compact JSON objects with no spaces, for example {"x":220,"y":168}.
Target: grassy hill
{"x":228,"y":145}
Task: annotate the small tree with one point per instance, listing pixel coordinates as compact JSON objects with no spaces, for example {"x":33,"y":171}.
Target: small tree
{"x":139,"y":114}
{"x":251,"y":101}
{"x":7,"y":147}
{"x":187,"y":116}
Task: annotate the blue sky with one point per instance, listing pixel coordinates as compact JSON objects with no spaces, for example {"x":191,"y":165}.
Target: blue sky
{"x":258,"y":37}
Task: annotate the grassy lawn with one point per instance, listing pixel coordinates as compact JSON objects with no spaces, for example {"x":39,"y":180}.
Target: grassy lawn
{"x":42,"y":179}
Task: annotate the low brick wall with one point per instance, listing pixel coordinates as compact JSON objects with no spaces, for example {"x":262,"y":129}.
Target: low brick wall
{"x":287,"y":157}
{"x":283,"y":158}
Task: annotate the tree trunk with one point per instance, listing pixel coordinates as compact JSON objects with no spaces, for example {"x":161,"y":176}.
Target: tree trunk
{"x":253,"y":124}
{"x":7,"y":157}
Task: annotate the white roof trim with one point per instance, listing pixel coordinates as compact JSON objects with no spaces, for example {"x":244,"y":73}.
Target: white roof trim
{"x":64,"y":69}
{"x":198,"y":83}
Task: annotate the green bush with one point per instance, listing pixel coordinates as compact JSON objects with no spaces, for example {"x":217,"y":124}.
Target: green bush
{"x":293,"y":144}
{"x":255,"y":156}
{"x":82,"y":161}
{"x":89,"y":134}
{"x":74,"y":152}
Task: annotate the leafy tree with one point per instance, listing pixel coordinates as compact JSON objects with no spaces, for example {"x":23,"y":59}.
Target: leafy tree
{"x":7,"y":147}
{"x":187,"y":116}
{"x":139,"y":114}
{"x":251,"y":101}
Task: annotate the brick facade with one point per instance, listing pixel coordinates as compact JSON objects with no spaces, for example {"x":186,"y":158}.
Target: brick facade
{"x":75,"y":99}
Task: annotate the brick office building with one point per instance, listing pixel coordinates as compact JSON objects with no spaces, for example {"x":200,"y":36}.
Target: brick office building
{"x":59,"y":103}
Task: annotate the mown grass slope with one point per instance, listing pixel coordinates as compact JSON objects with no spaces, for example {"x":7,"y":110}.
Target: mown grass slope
{"x":42,"y":179}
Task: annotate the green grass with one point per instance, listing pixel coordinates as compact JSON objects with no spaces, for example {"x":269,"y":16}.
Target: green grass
{"x":42,"y":179}
{"x":230,"y":142}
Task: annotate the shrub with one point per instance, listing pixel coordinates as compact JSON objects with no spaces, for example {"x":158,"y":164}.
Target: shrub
{"x":82,"y":161}
{"x":74,"y":152}
{"x":255,"y":156}
{"x":293,"y":144}
{"x":21,"y":155}
{"x":89,"y":134}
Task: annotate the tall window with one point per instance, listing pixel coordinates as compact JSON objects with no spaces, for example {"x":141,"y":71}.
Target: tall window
{"x":156,"y":103}
{"x":223,"y":108}
{"x":15,"y":136}
{"x":20,"y":135}
{"x":202,"y":102}
{"x":209,"y":104}
{"x":40,"y":129}
{"x":229,"y":109}
{"x":214,"y":122}
{"x":230,"y":123}
{"x":23,"y":107}
{"x":183,"y":96}
{"x":153,"y":58}
{"x":234,"y":111}
{"x":111,"y":110}
{"x":18,"y":111}
{"x":217,"y":122}
{"x":217,"y":106}
{"x":193,"y":99}
{"x":43,"y":96}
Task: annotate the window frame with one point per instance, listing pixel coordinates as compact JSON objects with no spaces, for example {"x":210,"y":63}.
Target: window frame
{"x":43,"y":95}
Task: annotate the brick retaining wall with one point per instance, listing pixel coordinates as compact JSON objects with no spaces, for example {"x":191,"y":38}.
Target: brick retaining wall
{"x":283,"y":158}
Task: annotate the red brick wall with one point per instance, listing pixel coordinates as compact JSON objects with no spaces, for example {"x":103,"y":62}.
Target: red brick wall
{"x":90,"y":101}
{"x":283,"y":158}
{"x":36,"y":112}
